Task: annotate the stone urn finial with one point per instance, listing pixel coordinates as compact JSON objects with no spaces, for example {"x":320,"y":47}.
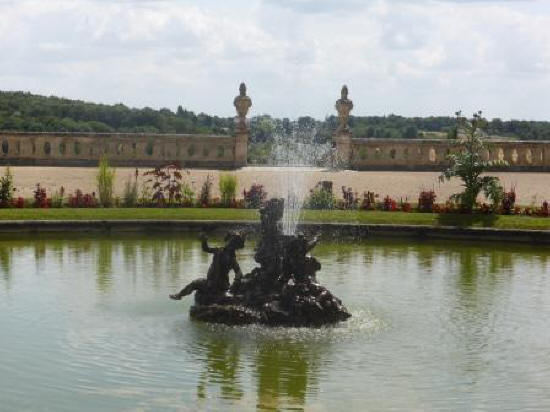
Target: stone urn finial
{"x":344,"y":106}
{"x":242,"y":103}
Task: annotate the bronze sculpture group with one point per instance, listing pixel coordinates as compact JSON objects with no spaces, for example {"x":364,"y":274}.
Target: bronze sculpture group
{"x":283,"y":290}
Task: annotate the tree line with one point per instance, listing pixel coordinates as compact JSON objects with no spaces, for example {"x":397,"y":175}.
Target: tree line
{"x":22,"y":111}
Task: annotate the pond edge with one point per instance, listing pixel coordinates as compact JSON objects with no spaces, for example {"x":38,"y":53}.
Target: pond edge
{"x":335,"y":230}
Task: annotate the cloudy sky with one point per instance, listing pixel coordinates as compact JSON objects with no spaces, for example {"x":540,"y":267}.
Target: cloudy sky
{"x":409,"y":57}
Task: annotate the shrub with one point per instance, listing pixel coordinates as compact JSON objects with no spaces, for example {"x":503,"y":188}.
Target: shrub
{"x":448,"y":207}
{"x":389,"y":204}
{"x":228,"y":189}
{"x":426,"y":201}
{"x":188,"y":195}
{"x":57,"y":198}
{"x":369,"y":201}
{"x":167,"y":184}
{"x":255,"y":197}
{"x":406,"y":206}
{"x":80,"y":199}
{"x":130,"y":196}
{"x":19,"y":203}
{"x":40,"y":197}
{"x":146,"y":195}
{"x":105,"y":182}
{"x":205,"y":196}
{"x":350,"y":198}
{"x":6,"y":188}
{"x":486,"y":208}
{"x":321,"y":199}
{"x":508,"y":202}
{"x":544,"y":211}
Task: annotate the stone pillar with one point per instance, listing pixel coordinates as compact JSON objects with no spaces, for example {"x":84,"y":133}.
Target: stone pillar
{"x":343,"y":149}
{"x":242,"y":103}
{"x":342,"y":137}
{"x":241,"y":148}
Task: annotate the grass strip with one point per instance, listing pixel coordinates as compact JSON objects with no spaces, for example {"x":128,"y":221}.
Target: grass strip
{"x":323,"y":216}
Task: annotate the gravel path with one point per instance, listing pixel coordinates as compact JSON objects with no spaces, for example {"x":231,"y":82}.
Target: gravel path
{"x":530,"y":187}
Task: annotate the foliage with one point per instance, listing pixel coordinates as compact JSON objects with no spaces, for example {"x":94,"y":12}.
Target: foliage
{"x":57,"y":198}
{"x":255,"y":196}
{"x":146,"y":195}
{"x":369,"y":201}
{"x":228,"y":189}
{"x":20,"y":111}
{"x":40,"y":197}
{"x":468,"y":164}
{"x":82,"y":200}
{"x":19,"y":203}
{"x":188,"y":195}
{"x":167,"y":184}
{"x":205,"y":196}
{"x":389,"y":204}
{"x":405,"y":206}
{"x":6,"y":188}
{"x":545,"y":210}
{"x":321,"y":199}
{"x":259,"y":153}
{"x":508,"y":202}
{"x":426,"y":201}
{"x":351,"y":198}
{"x":105,"y":182}
{"x":130,"y":195}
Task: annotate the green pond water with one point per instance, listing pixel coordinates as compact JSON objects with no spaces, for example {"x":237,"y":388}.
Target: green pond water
{"x":86,"y":324}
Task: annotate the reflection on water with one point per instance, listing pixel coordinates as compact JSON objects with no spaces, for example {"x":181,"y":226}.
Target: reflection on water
{"x":86,"y":321}
{"x":284,"y":371}
{"x":221,"y":366}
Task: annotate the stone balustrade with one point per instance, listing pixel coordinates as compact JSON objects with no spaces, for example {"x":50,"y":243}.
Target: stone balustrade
{"x":227,"y":152}
{"x":424,"y":154}
{"x":139,"y":150}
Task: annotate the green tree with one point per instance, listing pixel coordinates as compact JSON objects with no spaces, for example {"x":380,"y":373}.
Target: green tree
{"x":468,"y":164}
{"x":411,"y":132}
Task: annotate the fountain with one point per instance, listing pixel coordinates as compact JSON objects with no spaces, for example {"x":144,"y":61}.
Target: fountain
{"x":282,"y":291}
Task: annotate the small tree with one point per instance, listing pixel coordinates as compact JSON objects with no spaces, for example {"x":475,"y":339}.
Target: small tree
{"x":468,"y":164}
{"x":105,"y":182}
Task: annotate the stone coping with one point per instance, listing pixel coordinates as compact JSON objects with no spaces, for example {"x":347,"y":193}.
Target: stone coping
{"x":345,"y":230}
{"x":7,"y":133}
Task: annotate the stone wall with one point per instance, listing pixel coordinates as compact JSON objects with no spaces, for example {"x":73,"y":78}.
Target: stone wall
{"x":140,"y":150}
{"x":228,"y":152}
{"x":423,"y":154}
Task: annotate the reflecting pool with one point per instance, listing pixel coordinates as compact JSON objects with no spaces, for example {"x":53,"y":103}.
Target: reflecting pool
{"x":86,"y":324}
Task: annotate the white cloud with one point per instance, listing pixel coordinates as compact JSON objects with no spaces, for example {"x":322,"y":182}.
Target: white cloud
{"x":409,"y":57}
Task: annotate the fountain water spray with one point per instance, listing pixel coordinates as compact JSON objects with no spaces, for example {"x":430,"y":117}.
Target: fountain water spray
{"x":295,"y":152}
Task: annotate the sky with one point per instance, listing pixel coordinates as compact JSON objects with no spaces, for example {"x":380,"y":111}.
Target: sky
{"x":413,"y":58}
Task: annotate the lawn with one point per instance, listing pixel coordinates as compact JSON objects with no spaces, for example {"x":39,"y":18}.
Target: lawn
{"x":325,"y":216}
